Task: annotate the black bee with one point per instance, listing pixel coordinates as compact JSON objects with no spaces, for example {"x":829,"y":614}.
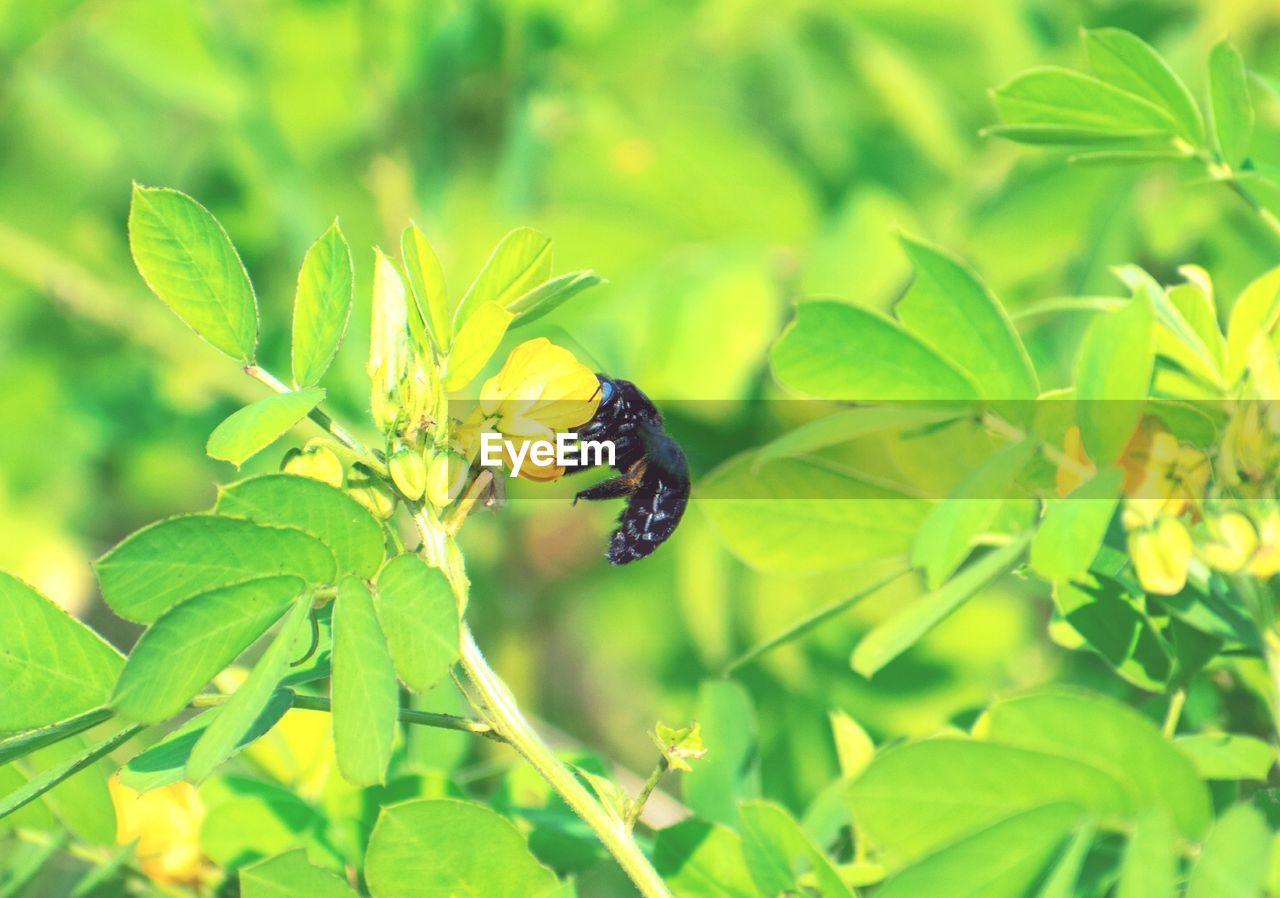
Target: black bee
{"x":654,"y":474}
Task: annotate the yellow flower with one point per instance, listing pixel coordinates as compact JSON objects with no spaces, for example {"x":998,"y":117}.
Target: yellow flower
{"x":165,"y":823}
{"x":542,"y":389}
{"x":1233,"y":541}
{"x":1076,"y":467}
{"x":1161,"y":555}
{"x":1266,"y":559}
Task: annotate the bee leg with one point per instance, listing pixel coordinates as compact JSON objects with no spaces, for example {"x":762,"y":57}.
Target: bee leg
{"x":614,"y":487}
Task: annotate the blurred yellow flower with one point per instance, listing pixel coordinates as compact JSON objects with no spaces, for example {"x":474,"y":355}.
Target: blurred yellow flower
{"x":1161,"y":555}
{"x":542,"y":389}
{"x":165,"y":823}
{"x":1232,"y":542}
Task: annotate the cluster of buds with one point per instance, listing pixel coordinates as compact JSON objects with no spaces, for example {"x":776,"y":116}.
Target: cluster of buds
{"x":1180,"y":503}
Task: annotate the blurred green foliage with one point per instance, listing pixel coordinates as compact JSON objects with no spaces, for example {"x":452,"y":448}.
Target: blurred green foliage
{"x":715,"y":161}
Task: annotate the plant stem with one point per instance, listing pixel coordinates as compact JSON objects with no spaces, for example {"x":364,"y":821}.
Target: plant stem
{"x":511,"y":724}
{"x":405,"y":715}
{"x":637,"y":806}
{"x":1176,"y":702}
{"x":320,"y":417}
{"x":1267,"y":217}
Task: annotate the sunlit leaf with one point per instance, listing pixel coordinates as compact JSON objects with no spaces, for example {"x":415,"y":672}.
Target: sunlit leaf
{"x":519,"y":263}
{"x":365,"y":697}
{"x":1149,"y":869}
{"x":837,"y":351}
{"x":188,"y":261}
{"x":1228,"y":756}
{"x":778,"y":852}
{"x":249,"y":430}
{"x":1124,"y":60}
{"x":1232,"y":107}
{"x":157,"y":567}
{"x":427,"y":284}
{"x":1234,"y":860}
{"x":427,"y":849}
{"x":1073,"y":527}
{"x":193,"y":642}
{"x":548,"y":297}
{"x":703,"y":860}
{"x":475,"y":344}
{"x":330,"y":515}
{"x":419,"y":615}
{"x":321,"y":306}
{"x":1113,"y":375}
{"x":52,"y":666}
{"x":290,"y":875}
{"x":237,"y":717}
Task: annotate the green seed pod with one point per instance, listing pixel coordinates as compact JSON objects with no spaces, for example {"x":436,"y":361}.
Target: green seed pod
{"x":446,"y":475}
{"x":372,"y":494}
{"x":316,"y":461}
{"x":408,"y":473}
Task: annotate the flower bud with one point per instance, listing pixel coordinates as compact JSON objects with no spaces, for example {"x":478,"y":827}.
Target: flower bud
{"x":1233,"y":542}
{"x":446,"y":476}
{"x":408,"y":473}
{"x":1161,"y":555}
{"x":316,"y":461}
{"x":373,"y":494}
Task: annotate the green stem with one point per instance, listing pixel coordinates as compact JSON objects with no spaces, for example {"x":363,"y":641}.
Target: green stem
{"x":511,"y":724}
{"x":637,"y":806}
{"x":320,"y":417}
{"x":405,"y":715}
{"x":1176,"y":702}
{"x":1267,"y":217}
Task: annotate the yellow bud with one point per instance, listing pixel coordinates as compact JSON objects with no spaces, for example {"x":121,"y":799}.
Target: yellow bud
{"x":446,"y":476}
{"x":373,"y":495}
{"x":408,"y":473}
{"x":1161,"y":555}
{"x":1233,"y":542}
{"x":1266,"y":559}
{"x":318,"y":462}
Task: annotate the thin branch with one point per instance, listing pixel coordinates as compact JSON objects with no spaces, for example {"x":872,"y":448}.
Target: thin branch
{"x":637,"y":805}
{"x":405,"y":715}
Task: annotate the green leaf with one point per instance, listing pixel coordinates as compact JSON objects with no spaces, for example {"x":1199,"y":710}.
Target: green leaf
{"x":158,"y":566}
{"x":237,"y":717}
{"x":419,"y":614}
{"x":954,"y":525}
{"x":1124,"y":60}
{"x":190,"y":644}
{"x":918,"y":798}
{"x":1126,"y":157}
{"x":322,"y":306}
{"x":778,"y":852}
{"x":519,"y":263}
{"x":1061,"y":882}
{"x":444,"y":848}
{"x":21,"y":745}
{"x":1111,"y":737}
{"x":250,"y":819}
{"x":1073,"y":527}
{"x":951,"y":309}
{"x":1176,"y":338}
{"x":365,"y":698}
{"x":289,"y":876}
{"x":1113,"y":374}
{"x":548,"y":297}
{"x":843,"y":427}
{"x":1003,"y":861}
{"x":82,"y":802}
{"x":163,"y":763}
{"x":837,"y":351}
{"x":427,"y":284}
{"x":1232,"y":108}
{"x":1227,"y":756}
{"x":188,"y":261}
{"x":1113,"y":622}
{"x":1060,"y":97}
{"x":1255,"y":311}
{"x":893,"y":637}
{"x":48,"y":779}
{"x":728,"y":773}
{"x":804,"y":515}
{"x":854,"y":747}
{"x":1233,"y":862}
{"x":52,"y":666}
{"x":703,"y":860}
{"x":1071,"y":136}
{"x":475,"y":344}
{"x":249,"y":430}
{"x":1150,"y":866}
{"x":330,"y":515}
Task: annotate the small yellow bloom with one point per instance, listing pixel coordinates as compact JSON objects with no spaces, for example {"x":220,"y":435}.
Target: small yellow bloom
{"x":1161,"y":555}
{"x":165,"y":823}
{"x":1233,"y":540}
{"x":542,"y":389}
{"x":1266,"y":559}
{"x":1077,"y":468}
